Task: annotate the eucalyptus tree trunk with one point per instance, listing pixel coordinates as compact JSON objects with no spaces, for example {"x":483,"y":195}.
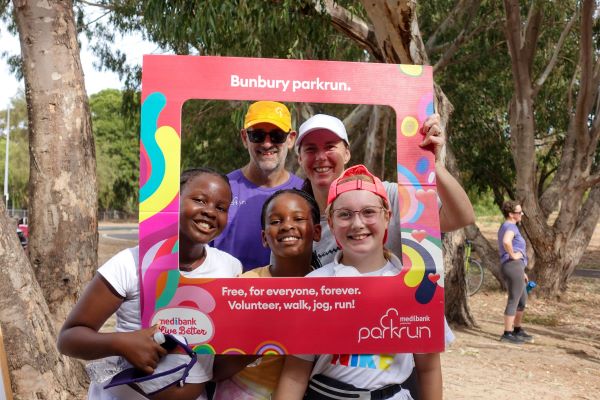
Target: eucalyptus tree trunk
{"x":62,"y":187}
{"x":376,"y":138}
{"x":36,"y":369}
{"x":393,"y":36}
{"x":485,"y":253}
{"x":575,"y":187}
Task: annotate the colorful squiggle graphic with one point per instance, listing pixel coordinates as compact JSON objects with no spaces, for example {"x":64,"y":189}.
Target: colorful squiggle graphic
{"x":161,"y":184}
{"x":424,"y":272}
{"x":411,"y":209}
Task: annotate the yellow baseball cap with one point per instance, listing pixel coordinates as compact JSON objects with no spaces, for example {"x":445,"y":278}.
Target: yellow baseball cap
{"x":270,"y":112}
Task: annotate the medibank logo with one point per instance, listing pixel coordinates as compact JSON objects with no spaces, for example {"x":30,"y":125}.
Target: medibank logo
{"x":393,"y":326}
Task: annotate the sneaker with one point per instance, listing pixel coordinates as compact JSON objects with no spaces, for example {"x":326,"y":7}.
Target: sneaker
{"x":511,"y":338}
{"x":527,"y":338}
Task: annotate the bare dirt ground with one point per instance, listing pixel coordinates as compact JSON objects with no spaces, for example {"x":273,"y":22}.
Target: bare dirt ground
{"x":563,"y":363}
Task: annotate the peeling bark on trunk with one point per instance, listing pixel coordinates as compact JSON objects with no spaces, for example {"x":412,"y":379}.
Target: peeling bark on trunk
{"x":455,"y":285}
{"x":62,"y":191}
{"x":36,"y":369}
{"x":397,"y":30}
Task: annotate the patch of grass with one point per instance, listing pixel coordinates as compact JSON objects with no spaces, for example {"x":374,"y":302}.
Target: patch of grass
{"x":485,"y":208}
{"x":489,"y":219}
{"x":551,"y":320}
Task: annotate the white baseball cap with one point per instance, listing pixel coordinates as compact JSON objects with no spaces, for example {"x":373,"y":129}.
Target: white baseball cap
{"x":321,"y":121}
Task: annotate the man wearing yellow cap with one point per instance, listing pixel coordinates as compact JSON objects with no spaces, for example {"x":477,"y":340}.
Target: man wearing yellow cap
{"x":268,"y":136}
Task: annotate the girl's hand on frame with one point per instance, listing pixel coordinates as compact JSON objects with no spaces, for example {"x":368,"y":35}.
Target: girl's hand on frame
{"x":140,"y":349}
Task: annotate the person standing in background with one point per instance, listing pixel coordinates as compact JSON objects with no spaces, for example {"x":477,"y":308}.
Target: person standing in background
{"x":513,"y":257}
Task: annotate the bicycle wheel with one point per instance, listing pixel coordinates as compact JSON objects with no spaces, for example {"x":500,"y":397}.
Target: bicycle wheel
{"x":474,"y":277}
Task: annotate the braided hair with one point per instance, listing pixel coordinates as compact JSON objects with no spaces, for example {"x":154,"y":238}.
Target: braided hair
{"x":191,"y":173}
{"x":314,"y":212}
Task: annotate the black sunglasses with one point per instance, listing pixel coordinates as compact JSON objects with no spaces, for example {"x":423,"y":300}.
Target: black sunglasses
{"x":258,"y":135}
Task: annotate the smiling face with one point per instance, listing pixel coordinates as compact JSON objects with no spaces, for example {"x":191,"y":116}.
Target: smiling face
{"x":356,"y":237}
{"x":205,"y":201}
{"x":289,"y":226}
{"x":267,"y":157}
{"x":322,"y":156}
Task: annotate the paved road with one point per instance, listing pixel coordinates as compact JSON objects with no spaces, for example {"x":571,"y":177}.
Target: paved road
{"x":119,"y":232}
{"x":591,"y":273}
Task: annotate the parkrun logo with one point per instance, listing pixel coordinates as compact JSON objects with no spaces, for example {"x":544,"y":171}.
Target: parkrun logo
{"x":393,"y":326}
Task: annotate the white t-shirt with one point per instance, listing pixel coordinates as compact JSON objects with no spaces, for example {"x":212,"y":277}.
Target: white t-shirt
{"x":366,"y":371}
{"x":121,"y":272}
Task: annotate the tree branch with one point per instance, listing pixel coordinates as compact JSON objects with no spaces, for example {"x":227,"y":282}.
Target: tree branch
{"x":512,"y":32}
{"x":454,"y":46}
{"x":355,"y":124}
{"x":588,"y":219}
{"x":455,"y":15}
{"x":570,"y":103}
{"x":532,"y":32}
{"x":397,"y":31}
{"x":93,"y":4}
{"x":358,"y":117}
{"x":554,"y":59}
{"x":586,"y":93}
{"x":352,"y":26}
{"x":590,"y":181}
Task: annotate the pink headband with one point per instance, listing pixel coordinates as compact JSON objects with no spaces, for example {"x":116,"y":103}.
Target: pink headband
{"x":338,"y":188}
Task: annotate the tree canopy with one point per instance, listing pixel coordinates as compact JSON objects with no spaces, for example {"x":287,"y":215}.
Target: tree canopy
{"x":117,"y":152}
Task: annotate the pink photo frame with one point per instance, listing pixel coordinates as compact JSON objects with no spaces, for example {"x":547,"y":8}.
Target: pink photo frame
{"x":404,"y":313}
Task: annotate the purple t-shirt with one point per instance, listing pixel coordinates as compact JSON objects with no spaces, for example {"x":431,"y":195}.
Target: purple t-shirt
{"x":241,"y":237}
{"x":518,"y":242}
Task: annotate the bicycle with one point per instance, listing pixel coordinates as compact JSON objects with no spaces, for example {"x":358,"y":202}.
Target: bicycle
{"x":473,"y":271}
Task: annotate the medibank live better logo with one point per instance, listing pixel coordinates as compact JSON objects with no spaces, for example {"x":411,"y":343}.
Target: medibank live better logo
{"x":393,"y":326}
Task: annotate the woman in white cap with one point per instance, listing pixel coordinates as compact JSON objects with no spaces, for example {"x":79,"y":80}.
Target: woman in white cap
{"x":323,"y":151}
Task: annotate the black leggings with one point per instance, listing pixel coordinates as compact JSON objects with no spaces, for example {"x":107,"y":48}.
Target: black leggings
{"x":513,"y":273}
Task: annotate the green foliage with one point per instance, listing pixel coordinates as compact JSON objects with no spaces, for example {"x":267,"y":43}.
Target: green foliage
{"x":18,"y":168}
{"x":479,"y":84}
{"x":485,"y":206}
{"x":117,"y":152}
{"x":210,"y":133}
{"x":279,"y":29}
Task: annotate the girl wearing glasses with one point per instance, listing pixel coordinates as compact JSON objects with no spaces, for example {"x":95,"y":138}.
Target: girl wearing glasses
{"x":323,"y":150}
{"x":513,"y":256}
{"x":358,"y":214}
